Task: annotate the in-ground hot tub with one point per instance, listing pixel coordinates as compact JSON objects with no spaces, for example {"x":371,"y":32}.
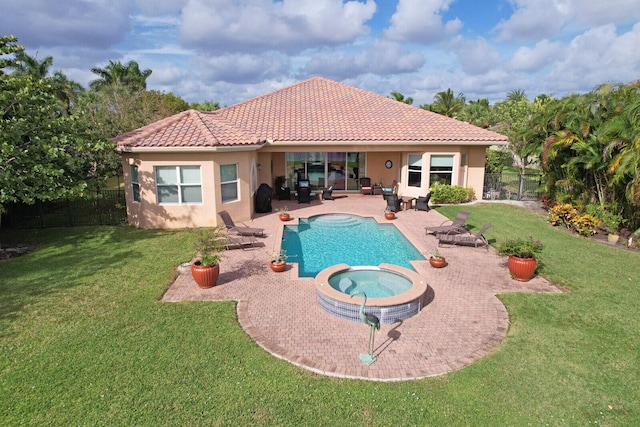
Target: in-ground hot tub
{"x":393,"y":293}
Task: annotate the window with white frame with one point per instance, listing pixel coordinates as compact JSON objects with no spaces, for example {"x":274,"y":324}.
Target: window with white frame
{"x":441,"y":170}
{"x":414,"y":178}
{"x":178,"y":184}
{"x":135,"y":183}
{"x":229,"y":182}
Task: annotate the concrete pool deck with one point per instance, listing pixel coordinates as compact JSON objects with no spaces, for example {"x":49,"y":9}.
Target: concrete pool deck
{"x":462,"y":321}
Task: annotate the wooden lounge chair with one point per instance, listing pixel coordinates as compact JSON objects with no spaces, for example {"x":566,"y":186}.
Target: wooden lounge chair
{"x":242,"y":231}
{"x":422,"y":203}
{"x":457,"y":226}
{"x":474,"y":240}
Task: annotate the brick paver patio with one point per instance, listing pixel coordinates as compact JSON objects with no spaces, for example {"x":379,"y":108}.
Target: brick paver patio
{"x":462,"y":322}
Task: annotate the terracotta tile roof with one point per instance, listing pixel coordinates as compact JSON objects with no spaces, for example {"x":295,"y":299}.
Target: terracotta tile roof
{"x":189,"y":128}
{"x":314,"y":111}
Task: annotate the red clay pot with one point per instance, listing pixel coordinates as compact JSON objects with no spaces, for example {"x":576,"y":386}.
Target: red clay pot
{"x":278,"y":268}
{"x":284,"y":217}
{"x":437,"y":263}
{"x":205,"y":276}
{"x":522,"y":269}
{"x":389,"y":215}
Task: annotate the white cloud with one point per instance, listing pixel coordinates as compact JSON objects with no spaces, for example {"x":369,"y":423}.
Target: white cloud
{"x":536,"y":58}
{"x":476,"y":56}
{"x":263,"y":25}
{"x":242,"y":68}
{"x":534,"y":20}
{"x":420,"y":21}
{"x":41,"y":23}
{"x":382,"y":58}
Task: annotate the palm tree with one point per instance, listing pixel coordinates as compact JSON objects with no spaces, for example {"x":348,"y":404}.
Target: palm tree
{"x":26,"y":65}
{"x":117,"y":75}
{"x":516,"y":95}
{"x":400,"y":98}
{"x":447,"y":104}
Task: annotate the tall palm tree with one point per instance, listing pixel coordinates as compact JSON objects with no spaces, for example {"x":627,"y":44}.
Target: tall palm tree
{"x":119,"y":75}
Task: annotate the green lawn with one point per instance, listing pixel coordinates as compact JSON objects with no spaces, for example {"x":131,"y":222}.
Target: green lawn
{"x":84,"y":340}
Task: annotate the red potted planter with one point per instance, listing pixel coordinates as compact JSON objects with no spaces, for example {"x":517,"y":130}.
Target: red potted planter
{"x":205,"y":276}
{"x":522,"y":269}
{"x":278,"y":268}
{"x":284,"y":216}
{"x":389,"y":215}
{"x":437,"y":262}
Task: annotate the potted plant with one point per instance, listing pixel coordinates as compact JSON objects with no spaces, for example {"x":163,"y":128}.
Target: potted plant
{"x":521,"y":252}
{"x":611,"y":221}
{"x":210,"y":246}
{"x":388,"y":213}
{"x":283,"y":213}
{"x":436,"y":259}
{"x":278,"y":261}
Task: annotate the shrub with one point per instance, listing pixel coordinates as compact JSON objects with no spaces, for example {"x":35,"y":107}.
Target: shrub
{"x":444,"y":193}
{"x":565,"y":214}
{"x":522,"y":248}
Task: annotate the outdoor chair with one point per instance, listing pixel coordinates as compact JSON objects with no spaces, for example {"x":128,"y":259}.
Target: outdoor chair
{"x":457,"y":226}
{"x":327,"y":193}
{"x":284,"y":193}
{"x":393,"y":203}
{"x":304,"y":195}
{"x":474,"y":240}
{"x":422,"y":203}
{"x":365,"y":186}
{"x":245,"y":230}
{"x":239,"y":242}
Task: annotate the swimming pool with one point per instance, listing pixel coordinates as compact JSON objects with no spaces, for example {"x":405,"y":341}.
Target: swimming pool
{"x":325,"y":240}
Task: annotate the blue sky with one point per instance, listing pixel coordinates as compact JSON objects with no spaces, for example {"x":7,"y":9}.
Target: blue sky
{"x":232,"y":50}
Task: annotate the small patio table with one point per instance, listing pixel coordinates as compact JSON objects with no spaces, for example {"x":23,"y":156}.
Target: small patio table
{"x":407,"y":202}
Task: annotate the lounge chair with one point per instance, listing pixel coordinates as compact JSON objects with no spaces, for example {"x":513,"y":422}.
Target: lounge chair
{"x":327,"y":193}
{"x":239,"y":242}
{"x":422,"y":203}
{"x":245,"y":230}
{"x":474,"y":240}
{"x":393,"y":203}
{"x":365,"y":186}
{"x":457,"y":226}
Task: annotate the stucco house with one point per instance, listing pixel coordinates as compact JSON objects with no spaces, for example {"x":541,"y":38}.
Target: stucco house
{"x":182,"y":170}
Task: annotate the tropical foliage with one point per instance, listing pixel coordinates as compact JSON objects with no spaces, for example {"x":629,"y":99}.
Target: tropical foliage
{"x":521,"y":248}
{"x":444,"y":193}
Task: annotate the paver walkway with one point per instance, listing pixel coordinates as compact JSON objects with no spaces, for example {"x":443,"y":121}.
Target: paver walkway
{"x":462,"y":322}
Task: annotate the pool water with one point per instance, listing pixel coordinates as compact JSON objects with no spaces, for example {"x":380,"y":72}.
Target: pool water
{"x":374,"y":283}
{"x":325,"y":240}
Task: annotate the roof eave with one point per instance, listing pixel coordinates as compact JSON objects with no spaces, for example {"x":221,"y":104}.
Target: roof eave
{"x":216,"y":149}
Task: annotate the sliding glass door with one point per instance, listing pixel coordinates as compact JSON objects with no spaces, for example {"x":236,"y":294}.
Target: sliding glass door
{"x":338,"y":169}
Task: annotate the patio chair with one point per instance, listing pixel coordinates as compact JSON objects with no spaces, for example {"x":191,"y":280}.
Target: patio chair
{"x":422,"y":203}
{"x":239,"y":242}
{"x":327,"y":193}
{"x":304,"y":195}
{"x":365,"y":186}
{"x":245,"y":230}
{"x":457,"y":226}
{"x":474,"y":240}
{"x":393,"y":203}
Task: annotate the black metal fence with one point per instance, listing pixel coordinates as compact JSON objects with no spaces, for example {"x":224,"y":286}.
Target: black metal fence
{"x":105,"y":207}
{"x":513,"y":186}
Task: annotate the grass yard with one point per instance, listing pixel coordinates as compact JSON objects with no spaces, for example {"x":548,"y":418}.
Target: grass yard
{"x":84,"y":340}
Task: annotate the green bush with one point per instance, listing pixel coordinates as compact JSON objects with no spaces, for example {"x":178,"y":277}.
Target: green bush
{"x":443,"y":193}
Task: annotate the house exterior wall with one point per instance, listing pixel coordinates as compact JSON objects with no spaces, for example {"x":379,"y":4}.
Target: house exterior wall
{"x":148,"y":213}
{"x":256,"y":167}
